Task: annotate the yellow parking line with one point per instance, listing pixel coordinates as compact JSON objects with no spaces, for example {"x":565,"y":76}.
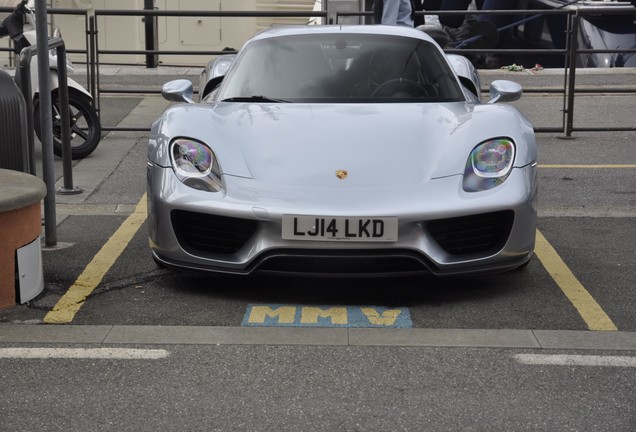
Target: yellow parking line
{"x":586,"y":166}
{"x":70,"y":303}
{"x":588,"y":308}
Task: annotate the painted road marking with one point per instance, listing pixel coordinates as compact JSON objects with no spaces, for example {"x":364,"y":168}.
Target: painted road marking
{"x":588,"y":308}
{"x":84,"y":353}
{"x":68,"y":305}
{"x":588,"y":166}
{"x":575,"y":360}
{"x":278,"y":315}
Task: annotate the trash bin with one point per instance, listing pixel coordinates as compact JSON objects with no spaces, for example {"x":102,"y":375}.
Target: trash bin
{"x":14,"y":150}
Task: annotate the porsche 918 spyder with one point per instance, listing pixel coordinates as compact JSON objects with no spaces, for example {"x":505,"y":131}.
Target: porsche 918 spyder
{"x":346,"y":150}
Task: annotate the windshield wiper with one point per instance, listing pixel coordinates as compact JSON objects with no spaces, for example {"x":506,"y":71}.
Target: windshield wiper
{"x":254,"y":99}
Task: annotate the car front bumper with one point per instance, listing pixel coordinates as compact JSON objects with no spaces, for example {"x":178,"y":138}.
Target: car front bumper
{"x":421,"y":211}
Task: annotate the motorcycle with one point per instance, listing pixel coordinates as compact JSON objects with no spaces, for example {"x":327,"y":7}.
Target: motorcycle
{"x":85,"y":124}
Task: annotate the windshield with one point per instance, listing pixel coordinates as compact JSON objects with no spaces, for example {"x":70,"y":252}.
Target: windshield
{"x":332,"y":67}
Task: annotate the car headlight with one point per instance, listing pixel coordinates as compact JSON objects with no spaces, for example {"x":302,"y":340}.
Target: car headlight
{"x":489,"y":164}
{"x":195,"y":165}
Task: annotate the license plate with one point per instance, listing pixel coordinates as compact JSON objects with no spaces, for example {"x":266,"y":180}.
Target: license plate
{"x":326,"y":228}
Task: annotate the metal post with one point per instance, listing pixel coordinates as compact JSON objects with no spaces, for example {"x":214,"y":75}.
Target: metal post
{"x":152,"y":41}
{"x":95,"y":62}
{"x":46,"y":123}
{"x":566,"y":63}
{"x":24,"y":75}
{"x":569,"y":125}
{"x":87,"y":43}
{"x":65,"y":120}
{"x":92,"y":48}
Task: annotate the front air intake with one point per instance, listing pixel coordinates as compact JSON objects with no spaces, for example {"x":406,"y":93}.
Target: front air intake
{"x":472,"y":234}
{"x":201,"y":232}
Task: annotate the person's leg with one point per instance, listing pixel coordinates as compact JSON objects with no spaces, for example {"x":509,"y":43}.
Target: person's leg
{"x":432,"y":5}
{"x":499,"y":20}
{"x":418,"y":6}
{"x":557,"y":25}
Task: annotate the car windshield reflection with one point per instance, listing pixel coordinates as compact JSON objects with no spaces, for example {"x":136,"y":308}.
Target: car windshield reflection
{"x":330,"y":68}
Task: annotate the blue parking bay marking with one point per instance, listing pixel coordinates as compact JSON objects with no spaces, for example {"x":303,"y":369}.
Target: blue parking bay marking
{"x":281,"y":315}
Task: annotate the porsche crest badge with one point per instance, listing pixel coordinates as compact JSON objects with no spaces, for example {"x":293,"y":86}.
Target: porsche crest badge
{"x":342,"y":174}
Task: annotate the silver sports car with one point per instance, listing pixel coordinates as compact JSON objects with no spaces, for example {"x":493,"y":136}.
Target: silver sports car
{"x":347,"y":150}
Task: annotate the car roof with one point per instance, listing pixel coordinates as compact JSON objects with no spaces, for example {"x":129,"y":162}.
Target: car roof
{"x":293,"y":30}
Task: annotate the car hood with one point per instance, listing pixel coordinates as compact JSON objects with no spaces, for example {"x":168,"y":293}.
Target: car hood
{"x":389,"y":144}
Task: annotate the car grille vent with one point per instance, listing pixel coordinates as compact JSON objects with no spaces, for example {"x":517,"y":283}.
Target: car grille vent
{"x":472,"y":234}
{"x":338,"y":262}
{"x":200,"y":232}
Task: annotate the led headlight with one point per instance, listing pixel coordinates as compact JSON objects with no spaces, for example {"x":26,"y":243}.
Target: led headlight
{"x":195,"y":165}
{"x":489,"y":164}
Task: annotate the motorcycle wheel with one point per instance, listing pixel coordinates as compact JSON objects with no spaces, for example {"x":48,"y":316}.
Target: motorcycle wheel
{"x":85,"y":127}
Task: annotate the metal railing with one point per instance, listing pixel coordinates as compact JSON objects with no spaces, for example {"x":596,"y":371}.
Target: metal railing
{"x":150,"y":52}
{"x":570,"y":53}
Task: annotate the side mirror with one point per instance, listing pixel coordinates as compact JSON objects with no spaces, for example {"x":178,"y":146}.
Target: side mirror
{"x":504,"y":91}
{"x":178,"y":91}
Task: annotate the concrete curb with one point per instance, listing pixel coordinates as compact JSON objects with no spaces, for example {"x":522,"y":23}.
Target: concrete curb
{"x":202,"y":335}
